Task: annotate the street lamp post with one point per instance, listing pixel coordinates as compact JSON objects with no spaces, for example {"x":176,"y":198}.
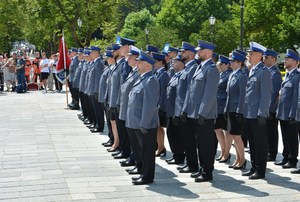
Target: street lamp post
{"x":212,"y":21}
{"x":147,"y":34}
{"x":79,"y":23}
{"x":242,"y":24}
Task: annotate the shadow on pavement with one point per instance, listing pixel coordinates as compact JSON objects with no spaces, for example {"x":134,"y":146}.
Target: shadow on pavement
{"x":165,"y":183}
{"x":230,"y":184}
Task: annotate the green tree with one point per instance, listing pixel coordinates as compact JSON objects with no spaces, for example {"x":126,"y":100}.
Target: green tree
{"x":137,"y":22}
{"x":187,"y":16}
{"x":273,"y":23}
{"x":11,"y":23}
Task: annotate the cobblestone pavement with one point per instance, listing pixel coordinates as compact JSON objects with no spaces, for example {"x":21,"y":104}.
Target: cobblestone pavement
{"x":47,"y":154}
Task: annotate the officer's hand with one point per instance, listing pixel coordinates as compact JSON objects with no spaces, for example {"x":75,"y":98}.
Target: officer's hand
{"x":271,"y":117}
{"x":225,"y":115}
{"x":183,"y":117}
{"x":175,"y":120}
{"x":200,"y":120}
{"x":261,"y":121}
{"x":292,"y":121}
{"x":161,"y":112}
{"x":144,"y":130}
{"x":239,"y":118}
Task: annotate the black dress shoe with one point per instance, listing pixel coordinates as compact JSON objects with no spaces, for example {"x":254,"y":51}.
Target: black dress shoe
{"x":127,"y":163}
{"x":106,"y":143}
{"x":182,"y":167}
{"x":256,"y":176}
{"x":203,"y":179}
{"x":175,"y":162}
{"x":289,"y":165}
{"x":248,"y":173}
{"x":121,"y":156}
{"x":171,"y":162}
{"x":135,"y":171}
{"x":95,"y":130}
{"x":170,"y":159}
{"x":136,"y":178}
{"x":296,"y":171}
{"x":225,"y":160}
{"x":86,"y":122}
{"x":141,"y":181}
{"x":91,"y":126}
{"x":196,"y":174}
{"x":130,"y":169}
{"x":162,"y":153}
{"x":188,"y":170}
{"x":116,"y":153}
{"x":75,"y":107}
{"x":112,"y":149}
{"x":281,"y":163}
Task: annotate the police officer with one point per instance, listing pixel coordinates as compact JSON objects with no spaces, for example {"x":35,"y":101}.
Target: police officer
{"x":170,"y":55}
{"x":112,"y":96}
{"x":221,"y":124}
{"x":102,"y":94}
{"x":234,"y":108}
{"x":74,"y":105}
{"x":187,"y":52}
{"x":201,"y":107}
{"x":270,"y":59}
{"x":96,"y":73}
{"x":257,"y":101}
{"x":163,"y":79}
{"x":286,"y":112}
{"x":84,"y":64}
{"x":123,"y":72}
{"x":135,"y":156}
{"x":142,"y":116}
{"x":150,"y":49}
{"x":77,"y":75}
{"x":173,"y":130}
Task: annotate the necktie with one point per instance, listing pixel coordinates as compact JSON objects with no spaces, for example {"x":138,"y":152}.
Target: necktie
{"x":287,"y":75}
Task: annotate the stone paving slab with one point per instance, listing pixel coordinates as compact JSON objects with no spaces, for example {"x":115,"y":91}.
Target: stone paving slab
{"x":47,"y":154}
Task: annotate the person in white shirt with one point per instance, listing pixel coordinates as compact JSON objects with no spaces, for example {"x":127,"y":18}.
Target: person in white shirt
{"x":45,"y":71}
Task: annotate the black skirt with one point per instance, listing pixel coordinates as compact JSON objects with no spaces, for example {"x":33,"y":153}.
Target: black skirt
{"x":234,"y":127}
{"x":221,"y":123}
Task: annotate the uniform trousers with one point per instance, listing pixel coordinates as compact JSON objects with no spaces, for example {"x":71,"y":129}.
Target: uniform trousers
{"x":272,"y":129}
{"x":206,"y":146}
{"x":135,"y":148}
{"x":76,"y":95}
{"x":98,"y":112}
{"x":190,"y":145}
{"x":258,"y":142}
{"x":147,"y":143}
{"x":123,"y":135}
{"x":83,"y":105}
{"x":290,"y":141}
{"x":110,"y":133}
{"x":71,"y":89}
{"x":176,"y":140}
{"x":91,"y":115}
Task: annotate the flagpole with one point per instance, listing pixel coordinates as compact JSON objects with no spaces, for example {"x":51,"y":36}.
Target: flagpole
{"x":65,"y":66}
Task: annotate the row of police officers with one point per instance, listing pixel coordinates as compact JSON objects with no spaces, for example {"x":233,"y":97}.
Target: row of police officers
{"x":200,"y":102}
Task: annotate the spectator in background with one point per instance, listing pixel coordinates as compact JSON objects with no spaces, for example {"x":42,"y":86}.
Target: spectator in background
{"x":9,"y":71}
{"x":37,"y":70}
{"x":50,"y":78}
{"x":58,"y":85}
{"x":45,"y":71}
{"x":20,"y":70}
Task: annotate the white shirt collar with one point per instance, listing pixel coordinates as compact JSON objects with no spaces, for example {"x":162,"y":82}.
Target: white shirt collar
{"x":204,"y":62}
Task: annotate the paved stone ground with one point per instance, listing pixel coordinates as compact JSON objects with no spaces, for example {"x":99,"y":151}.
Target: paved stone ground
{"x":47,"y":154}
